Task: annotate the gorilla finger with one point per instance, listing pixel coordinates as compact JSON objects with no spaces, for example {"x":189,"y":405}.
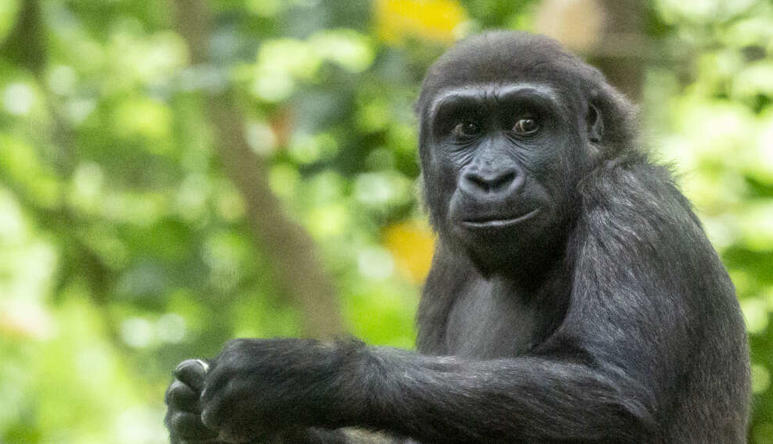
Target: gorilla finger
{"x":189,"y":426}
{"x":217,"y":380}
{"x":182,"y":397}
{"x":192,"y":372}
{"x":212,"y":417}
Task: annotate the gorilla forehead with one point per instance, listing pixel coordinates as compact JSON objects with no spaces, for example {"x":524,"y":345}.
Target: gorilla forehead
{"x":502,"y":57}
{"x":494,"y":92}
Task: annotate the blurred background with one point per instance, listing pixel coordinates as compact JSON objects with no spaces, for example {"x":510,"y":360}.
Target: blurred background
{"x":175,"y":173}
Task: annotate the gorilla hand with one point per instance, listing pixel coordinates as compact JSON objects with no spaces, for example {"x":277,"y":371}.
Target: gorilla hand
{"x":183,"y":416}
{"x":261,"y":387}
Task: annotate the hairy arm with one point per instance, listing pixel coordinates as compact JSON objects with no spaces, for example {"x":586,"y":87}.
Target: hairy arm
{"x":431,"y":399}
{"x":442,"y":399}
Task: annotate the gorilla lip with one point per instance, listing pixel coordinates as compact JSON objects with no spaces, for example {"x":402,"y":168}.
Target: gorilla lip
{"x":499,"y":223}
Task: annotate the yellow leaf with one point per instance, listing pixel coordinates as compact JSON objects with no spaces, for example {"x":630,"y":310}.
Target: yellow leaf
{"x":412,"y":244}
{"x":427,"y":19}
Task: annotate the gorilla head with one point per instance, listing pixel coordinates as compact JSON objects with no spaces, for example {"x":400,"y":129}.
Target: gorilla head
{"x":508,"y":127}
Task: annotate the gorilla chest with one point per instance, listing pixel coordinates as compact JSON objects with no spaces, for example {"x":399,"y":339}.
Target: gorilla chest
{"x":487,"y":322}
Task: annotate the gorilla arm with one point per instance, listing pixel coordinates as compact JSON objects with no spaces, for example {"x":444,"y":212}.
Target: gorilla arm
{"x":431,"y":399}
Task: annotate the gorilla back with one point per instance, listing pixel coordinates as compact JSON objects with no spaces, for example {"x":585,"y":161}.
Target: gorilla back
{"x":573,"y":295}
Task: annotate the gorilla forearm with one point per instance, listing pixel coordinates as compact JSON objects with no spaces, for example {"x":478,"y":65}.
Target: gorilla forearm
{"x":431,"y":399}
{"x":445,"y":399}
{"x":428,"y":398}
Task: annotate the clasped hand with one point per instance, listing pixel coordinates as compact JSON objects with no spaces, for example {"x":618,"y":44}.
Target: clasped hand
{"x":256,"y":388}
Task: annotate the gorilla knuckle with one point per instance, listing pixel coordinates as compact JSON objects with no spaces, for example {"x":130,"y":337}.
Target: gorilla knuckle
{"x":188,"y":365}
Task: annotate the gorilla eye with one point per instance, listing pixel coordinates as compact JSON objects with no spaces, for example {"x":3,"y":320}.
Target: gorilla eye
{"x":466,"y":129}
{"x":526,"y":126}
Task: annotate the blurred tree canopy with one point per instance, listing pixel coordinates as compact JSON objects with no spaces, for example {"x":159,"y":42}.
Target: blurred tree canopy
{"x":176,"y":173}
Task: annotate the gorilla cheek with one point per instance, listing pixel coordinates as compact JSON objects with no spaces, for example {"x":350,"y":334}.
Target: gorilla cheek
{"x":439,"y":194}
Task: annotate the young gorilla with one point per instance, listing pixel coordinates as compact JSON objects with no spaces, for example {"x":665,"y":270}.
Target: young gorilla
{"x":573,"y":294}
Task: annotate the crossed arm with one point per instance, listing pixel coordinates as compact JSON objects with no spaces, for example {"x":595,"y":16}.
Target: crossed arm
{"x":302,"y":391}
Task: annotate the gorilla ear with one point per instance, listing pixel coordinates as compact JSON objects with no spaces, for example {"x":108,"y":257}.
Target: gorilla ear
{"x":595,"y":123}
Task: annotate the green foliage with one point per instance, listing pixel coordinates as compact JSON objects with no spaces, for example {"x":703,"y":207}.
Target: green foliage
{"x":125,"y":247}
{"x":714,"y":121}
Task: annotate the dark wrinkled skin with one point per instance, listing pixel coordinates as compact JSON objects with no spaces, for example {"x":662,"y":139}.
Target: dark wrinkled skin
{"x":573,"y":295}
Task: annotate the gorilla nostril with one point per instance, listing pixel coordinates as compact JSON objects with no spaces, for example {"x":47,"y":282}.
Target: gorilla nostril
{"x":503,"y":181}
{"x":478,"y":181}
{"x":488,"y":183}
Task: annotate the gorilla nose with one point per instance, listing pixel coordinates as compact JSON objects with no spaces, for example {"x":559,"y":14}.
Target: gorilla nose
{"x":478,"y":183}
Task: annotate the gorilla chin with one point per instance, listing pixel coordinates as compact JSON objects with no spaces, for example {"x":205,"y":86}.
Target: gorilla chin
{"x":505,"y":244}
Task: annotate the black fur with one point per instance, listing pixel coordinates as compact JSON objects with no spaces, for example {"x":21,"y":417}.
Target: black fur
{"x":573,"y":295}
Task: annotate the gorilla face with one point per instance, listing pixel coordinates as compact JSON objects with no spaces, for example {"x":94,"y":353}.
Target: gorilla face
{"x":505,"y":158}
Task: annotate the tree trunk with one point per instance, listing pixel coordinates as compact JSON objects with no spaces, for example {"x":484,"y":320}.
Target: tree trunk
{"x":290,"y":248}
{"x":621,"y":51}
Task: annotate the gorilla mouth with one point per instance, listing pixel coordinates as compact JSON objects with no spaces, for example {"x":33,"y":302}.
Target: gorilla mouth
{"x":498,"y":221}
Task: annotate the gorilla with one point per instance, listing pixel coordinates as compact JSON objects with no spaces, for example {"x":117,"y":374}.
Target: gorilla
{"x":573,"y":295}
